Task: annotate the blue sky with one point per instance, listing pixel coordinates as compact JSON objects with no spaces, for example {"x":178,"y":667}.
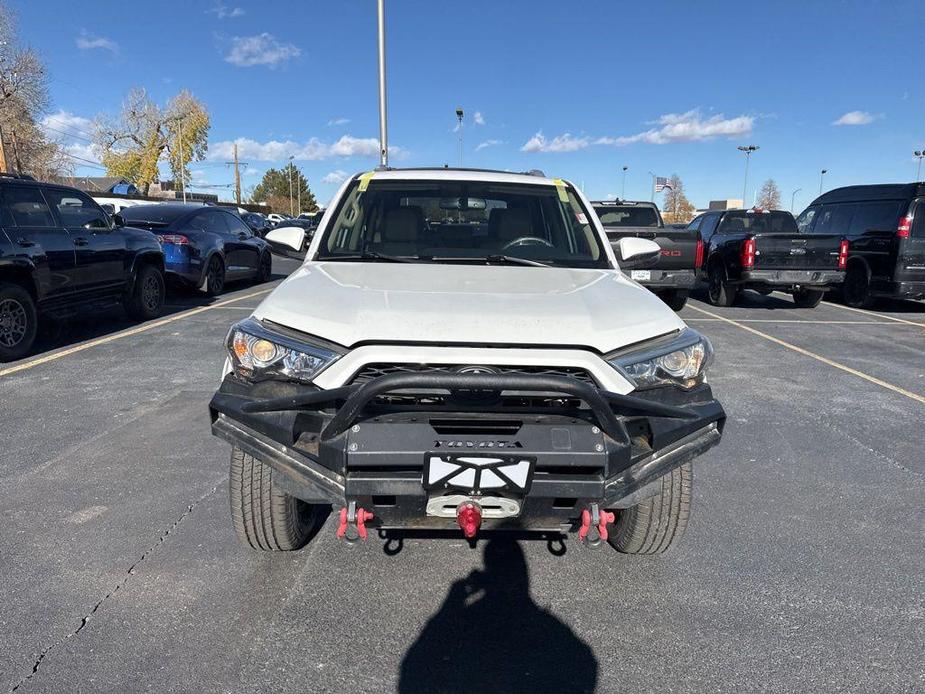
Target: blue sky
{"x":576,"y":89}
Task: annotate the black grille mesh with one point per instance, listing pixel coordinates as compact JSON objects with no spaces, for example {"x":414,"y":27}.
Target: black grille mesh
{"x":371,"y":371}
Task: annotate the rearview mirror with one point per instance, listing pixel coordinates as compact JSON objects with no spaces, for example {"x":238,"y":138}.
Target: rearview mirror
{"x":638,"y":253}
{"x":288,"y":241}
{"x":462,"y":204}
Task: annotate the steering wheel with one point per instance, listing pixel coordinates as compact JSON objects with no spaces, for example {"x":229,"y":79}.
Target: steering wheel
{"x":527,"y":241}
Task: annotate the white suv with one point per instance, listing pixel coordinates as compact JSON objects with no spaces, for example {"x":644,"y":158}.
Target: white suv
{"x":460,"y":350}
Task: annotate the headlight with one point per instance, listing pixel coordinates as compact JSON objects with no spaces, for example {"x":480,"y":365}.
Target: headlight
{"x":259,"y":354}
{"x":680,"y":361}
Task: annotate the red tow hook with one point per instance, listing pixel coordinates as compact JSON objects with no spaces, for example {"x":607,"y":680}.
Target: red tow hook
{"x":469,"y":518}
{"x":358,"y":517}
{"x":598,"y":520}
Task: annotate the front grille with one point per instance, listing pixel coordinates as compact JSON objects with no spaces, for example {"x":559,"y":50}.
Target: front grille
{"x":371,"y":371}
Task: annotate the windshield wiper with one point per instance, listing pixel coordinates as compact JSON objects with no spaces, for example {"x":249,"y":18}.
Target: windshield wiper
{"x":372,"y":255}
{"x":514,"y":260}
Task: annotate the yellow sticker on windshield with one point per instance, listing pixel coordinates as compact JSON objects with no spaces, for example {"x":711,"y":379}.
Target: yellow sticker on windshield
{"x":560,"y":188}
{"x":364,"y":180}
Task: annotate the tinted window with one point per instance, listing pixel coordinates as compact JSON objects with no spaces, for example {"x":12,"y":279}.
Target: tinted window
{"x":235,"y":225}
{"x":918,"y":223}
{"x":805,"y":220}
{"x":76,"y":209}
{"x":758,"y":222}
{"x":153,"y":215}
{"x":212,"y":221}
{"x":626,"y":216}
{"x":875,"y":216}
{"x":835,"y":219}
{"x":708,"y":225}
{"x":27,"y":207}
{"x":695,"y":224}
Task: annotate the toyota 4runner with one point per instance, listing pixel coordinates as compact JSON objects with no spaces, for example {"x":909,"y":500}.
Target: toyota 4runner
{"x":460,"y":351}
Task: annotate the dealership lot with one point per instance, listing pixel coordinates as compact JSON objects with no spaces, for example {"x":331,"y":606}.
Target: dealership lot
{"x":802,"y":569}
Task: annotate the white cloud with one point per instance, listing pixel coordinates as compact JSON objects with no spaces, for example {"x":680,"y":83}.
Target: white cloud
{"x":338,"y":176}
{"x":87,"y":42}
{"x":260,"y":49}
{"x":690,"y":126}
{"x":312,"y":150}
{"x":67,"y":122}
{"x":560,"y":143}
{"x":856,"y":118}
{"x":478,"y":118}
{"x":338,"y":121}
{"x":488,"y":143}
{"x":222,"y":11}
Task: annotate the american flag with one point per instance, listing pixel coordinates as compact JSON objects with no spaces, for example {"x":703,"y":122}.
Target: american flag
{"x":661,"y":183}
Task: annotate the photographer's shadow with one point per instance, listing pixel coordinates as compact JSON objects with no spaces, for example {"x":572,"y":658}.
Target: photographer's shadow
{"x":489,"y":636}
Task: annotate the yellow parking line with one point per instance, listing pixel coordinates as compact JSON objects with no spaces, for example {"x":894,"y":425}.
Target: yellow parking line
{"x":818,"y":357}
{"x":125,"y":333}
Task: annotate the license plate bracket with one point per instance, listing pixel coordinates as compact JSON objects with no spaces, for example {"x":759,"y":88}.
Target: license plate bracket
{"x":477,"y":473}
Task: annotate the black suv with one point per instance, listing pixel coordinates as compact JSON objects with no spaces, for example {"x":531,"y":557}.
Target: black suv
{"x":59,"y":252}
{"x":885,"y":227}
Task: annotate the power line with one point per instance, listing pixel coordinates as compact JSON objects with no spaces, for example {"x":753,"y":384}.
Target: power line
{"x":83,"y":133}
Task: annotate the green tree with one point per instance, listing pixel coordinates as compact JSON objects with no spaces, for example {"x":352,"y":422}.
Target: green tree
{"x":134,"y":144}
{"x":769,"y":196}
{"x":677,"y":208}
{"x":274,"y":190}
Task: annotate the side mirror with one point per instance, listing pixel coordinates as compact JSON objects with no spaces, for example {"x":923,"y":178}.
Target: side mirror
{"x":638,"y":253}
{"x":118,"y":220}
{"x":288,"y":241}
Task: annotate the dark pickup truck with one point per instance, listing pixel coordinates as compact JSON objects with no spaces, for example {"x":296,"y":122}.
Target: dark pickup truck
{"x":675,"y":273}
{"x":765,"y":251}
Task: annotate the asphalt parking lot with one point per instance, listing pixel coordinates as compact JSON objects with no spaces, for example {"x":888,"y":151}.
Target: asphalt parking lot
{"x":802,"y":570}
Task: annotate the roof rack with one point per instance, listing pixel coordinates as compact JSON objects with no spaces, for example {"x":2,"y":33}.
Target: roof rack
{"x":21,"y":177}
{"x":531,"y":172}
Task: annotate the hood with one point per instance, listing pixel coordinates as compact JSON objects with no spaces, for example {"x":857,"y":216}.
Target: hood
{"x":349,"y":303}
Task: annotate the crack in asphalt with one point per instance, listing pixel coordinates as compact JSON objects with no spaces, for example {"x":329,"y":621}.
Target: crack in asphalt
{"x":128,"y":574}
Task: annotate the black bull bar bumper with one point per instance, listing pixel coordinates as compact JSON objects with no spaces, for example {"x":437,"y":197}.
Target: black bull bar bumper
{"x":336,"y":446}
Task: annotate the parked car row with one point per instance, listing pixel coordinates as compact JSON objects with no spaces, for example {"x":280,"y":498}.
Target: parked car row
{"x":861,"y":242}
{"x":61,"y":253}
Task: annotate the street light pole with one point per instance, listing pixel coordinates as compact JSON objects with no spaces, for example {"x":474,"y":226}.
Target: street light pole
{"x":383,"y":125}
{"x":748,"y":149}
{"x":918,"y":155}
{"x":793,"y":197}
{"x":821,"y":177}
{"x":459,"y":129}
{"x":290,"y":186}
{"x":623,"y":190}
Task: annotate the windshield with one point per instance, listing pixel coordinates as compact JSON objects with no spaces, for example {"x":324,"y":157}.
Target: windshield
{"x":759,"y":222}
{"x":627,"y":216}
{"x":460,"y":221}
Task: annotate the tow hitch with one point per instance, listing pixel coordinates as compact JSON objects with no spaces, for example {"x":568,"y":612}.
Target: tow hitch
{"x":356,"y":517}
{"x":469,"y":518}
{"x":594,"y":525}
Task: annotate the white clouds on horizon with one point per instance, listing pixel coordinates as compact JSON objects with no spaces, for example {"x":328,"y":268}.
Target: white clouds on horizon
{"x":478,"y":118}
{"x":260,"y":49}
{"x":312,"y":150}
{"x":338,"y":121}
{"x":88,"y":42}
{"x":690,"y":126}
{"x":857,"y":118}
{"x":488,"y":143}
{"x":65,"y":120}
{"x":560,"y":143}
{"x":338,"y":176}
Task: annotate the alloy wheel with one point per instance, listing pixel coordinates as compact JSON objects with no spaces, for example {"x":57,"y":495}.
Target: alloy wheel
{"x":13,"y":322}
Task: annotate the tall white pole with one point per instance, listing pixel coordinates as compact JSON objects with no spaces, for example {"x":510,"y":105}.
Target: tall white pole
{"x":182,"y":164}
{"x":383,"y":124}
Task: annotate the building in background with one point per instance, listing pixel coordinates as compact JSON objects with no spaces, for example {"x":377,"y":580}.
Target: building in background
{"x":166,"y":190}
{"x":99,"y":184}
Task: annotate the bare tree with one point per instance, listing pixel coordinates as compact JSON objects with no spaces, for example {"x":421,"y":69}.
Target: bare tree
{"x":769,"y":195}
{"x":677,"y":208}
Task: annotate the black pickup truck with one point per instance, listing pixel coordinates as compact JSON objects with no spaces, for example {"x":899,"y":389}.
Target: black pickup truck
{"x":60,"y":252}
{"x":765,"y":251}
{"x":675,"y":273}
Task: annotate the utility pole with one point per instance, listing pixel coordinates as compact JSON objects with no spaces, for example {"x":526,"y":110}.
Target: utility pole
{"x":748,"y":149}
{"x":821,"y":176}
{"x":237,"y":172}
{"x":3,"y":168}
{"x":16,"y":154}
{"x":290,"y":186}
{"x":793,"y":196}
{"x":383,"y":125}
{"x":623,"y":190}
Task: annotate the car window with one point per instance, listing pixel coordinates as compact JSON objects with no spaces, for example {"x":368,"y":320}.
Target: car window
{"x":875,"y":216}
{"x":27,"y":207}
{"x":805,"y":220}
{"x":627,"y":216}
{"x":708,"y":225}
{"x":835,"y":219}
{"x":212,"y":221}
{"x":695,"y":223}
{"x":757,"y":222}
{"x":918,"y":222}
{"x":76,"y":209}
{"x":235,"y":225}
{"x":455,"y":221}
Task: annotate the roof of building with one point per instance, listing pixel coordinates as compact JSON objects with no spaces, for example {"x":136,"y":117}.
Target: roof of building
{"x":93,"y":184}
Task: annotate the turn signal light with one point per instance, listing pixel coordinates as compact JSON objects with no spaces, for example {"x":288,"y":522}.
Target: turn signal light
{"x":748,"y":254}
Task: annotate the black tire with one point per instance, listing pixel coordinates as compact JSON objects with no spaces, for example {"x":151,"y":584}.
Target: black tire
{"x":214,"y":281}
{"x":264,"y":268}
{"x":147,"y":298}
{"x":856,"y":289}
{"x":264,"y":517}
{"x":675,"y":298}
{"x":807,"y":298}
{"x":655,"y":524}
{"x":720,"y":292}
{"x":18,"y":322}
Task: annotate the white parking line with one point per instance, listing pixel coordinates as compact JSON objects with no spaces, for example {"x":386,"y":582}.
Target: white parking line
{"x":825,"y":360}
{"x":800,"y":321}
{"x":126,"y":333}
{"x":878,"y":315}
